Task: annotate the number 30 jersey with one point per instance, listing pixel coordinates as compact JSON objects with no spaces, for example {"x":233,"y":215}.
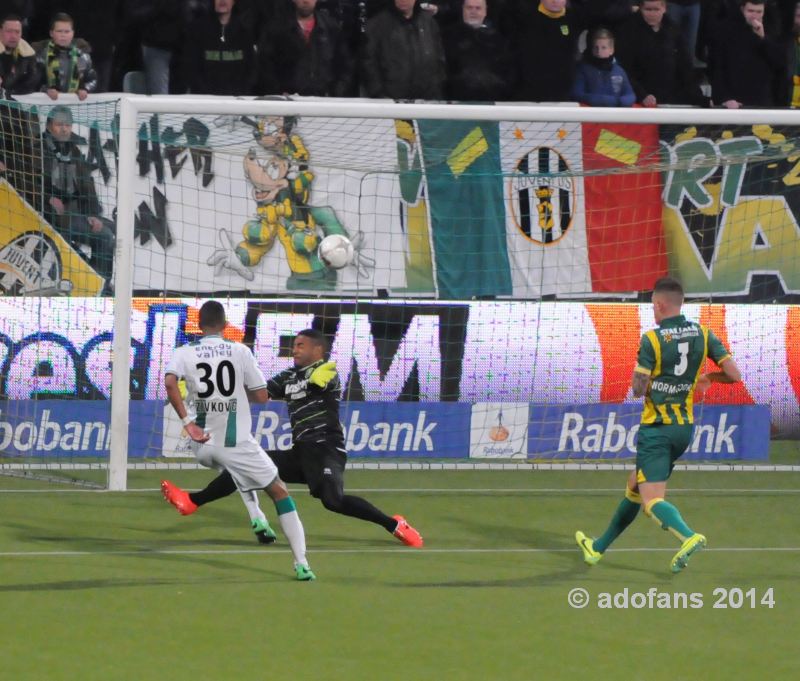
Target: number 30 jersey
{"x":673,"y":355}
{"x":218,"y":373}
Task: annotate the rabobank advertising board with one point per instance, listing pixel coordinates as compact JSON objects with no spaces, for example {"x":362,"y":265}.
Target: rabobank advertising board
{"x":607,"y":431}
{"x":63,"y":428}
{"x":413,"y":430}
{"x":381,"y":429}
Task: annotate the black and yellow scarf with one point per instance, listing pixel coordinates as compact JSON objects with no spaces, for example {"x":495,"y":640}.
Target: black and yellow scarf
{"x":551,"y":15}
{"x":54,"y":67}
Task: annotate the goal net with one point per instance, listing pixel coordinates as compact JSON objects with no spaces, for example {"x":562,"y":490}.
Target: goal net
{"x":494,"y":303}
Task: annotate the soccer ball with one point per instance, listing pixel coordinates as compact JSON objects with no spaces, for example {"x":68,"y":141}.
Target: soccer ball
{"x":336,"y":251}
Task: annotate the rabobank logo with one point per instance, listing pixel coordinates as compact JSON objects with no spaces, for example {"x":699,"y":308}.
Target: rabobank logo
{"x":382,"y":429}
{"x":499,"y":431}
{"x":579,"y":436}
{"x":610,"y":431}
{"x":611,"y":436}
{"x":397,"y":437}
{"x":45,"y":434}
{"x":388,"y":436}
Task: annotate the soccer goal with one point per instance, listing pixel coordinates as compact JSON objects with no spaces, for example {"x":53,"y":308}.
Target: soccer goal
{"x":492,"y":305}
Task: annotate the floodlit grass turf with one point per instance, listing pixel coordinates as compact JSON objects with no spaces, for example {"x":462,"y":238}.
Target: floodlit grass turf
{"x":118,"y":586}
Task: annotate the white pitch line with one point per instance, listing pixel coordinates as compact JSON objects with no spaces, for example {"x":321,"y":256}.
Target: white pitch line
{"x":403,"y":551}
{"x":453,"y":490}
{"x":737,"y":466}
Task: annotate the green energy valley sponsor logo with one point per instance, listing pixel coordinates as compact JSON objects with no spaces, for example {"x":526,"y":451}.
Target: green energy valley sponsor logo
{"x":541,"y":193}
{"x":31,"y":263}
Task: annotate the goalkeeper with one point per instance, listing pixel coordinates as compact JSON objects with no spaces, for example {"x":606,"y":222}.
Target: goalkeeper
{"x":318,"y":456}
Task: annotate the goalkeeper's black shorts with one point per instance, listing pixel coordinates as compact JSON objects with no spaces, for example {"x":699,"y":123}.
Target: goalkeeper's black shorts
{"x":311,"y":463}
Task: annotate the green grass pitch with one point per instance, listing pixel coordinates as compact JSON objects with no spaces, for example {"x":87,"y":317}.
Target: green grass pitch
{"x":119,"y":587}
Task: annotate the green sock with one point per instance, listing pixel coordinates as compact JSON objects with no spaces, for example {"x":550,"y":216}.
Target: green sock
{"x":670,"y":518}
{"x":624,"y":515}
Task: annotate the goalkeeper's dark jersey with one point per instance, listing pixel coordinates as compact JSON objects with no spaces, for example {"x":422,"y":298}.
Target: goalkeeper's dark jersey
{"x":673,"y":356}
{"x":313,"y":411}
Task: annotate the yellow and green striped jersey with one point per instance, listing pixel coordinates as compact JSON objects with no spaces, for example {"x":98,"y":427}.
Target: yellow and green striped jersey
{"x":673,"y":355}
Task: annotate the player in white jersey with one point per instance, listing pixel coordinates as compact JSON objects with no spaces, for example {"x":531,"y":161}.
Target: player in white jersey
{"x":222,"y":378}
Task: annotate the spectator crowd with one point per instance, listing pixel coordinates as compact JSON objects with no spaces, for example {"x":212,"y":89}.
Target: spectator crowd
{"x":731,"y":53}
{"x":728,"y":53}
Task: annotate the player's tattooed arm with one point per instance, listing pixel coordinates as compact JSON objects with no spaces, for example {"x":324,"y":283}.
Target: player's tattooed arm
{"x":641,"y":382}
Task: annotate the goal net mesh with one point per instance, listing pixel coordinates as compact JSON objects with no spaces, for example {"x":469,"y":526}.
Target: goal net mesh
{"x":492,"y":309}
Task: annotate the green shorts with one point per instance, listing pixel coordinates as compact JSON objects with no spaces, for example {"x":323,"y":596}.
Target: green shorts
{"x":658,"y":448}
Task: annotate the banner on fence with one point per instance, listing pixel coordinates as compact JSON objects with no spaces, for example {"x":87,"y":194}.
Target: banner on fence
{"x":454,"y":209}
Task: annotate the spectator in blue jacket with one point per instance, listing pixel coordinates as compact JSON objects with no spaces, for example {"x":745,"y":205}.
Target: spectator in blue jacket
{"x":599,"y":80}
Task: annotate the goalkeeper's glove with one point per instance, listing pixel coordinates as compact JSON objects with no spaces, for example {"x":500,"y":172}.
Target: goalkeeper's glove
{"x":323,"y":374}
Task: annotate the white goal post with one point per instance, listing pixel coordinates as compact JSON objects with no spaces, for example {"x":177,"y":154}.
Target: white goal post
{"x":131,"y":108}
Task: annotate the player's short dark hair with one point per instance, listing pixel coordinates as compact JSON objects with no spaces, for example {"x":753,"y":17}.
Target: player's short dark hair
{"x":742,"y":3}
{"x":671,"y":286}
{"x":316,"y":337}
{"x":11,"y":17}
{"x":61,"y":17}
{"x":212,"y":314}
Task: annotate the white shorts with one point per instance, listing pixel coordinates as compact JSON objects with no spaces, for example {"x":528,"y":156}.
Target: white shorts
{"x":248,"y":464}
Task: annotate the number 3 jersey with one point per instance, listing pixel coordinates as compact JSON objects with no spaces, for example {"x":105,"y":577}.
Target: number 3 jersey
{"x":673,"y":356}
{"x":218,"y":373}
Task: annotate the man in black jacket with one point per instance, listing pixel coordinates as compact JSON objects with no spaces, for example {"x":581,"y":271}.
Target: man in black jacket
{"x":19,"y":74}
{"x":654,"y":55}
{"x":306,"y":53}
{"x":220,"y":55}
{"x":746,"y":63}
{"x":479,"y":66}
{"x":70,"y":199}
{"x":544,"y":44}
{"x":403,"y":57}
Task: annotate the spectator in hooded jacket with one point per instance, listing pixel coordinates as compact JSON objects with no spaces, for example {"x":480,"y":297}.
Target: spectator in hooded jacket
{"x":403,"y":56}
{"x":65,"y":64}
{"x":652,"y":51}
{"x":306,"y":53}
{"x":19,"y":73}
{"x":479,"y":65}
{"x":220,"y":53}
{"x":747,"y":65}
{"x":599,"y":80}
